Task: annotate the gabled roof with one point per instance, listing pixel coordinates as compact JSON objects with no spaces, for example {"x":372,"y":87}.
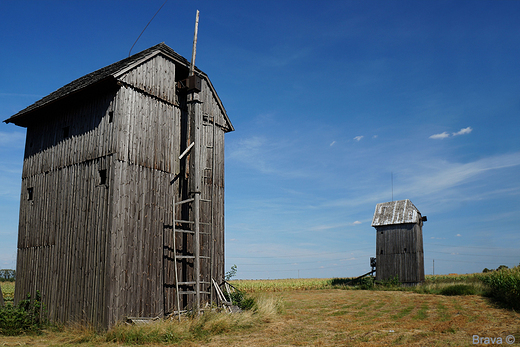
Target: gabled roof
{"x":396,"y":212}
{"x":110,"y":72}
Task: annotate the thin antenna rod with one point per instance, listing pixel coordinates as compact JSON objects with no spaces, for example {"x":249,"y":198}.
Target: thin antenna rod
{"x":392,"y":178}
{"x":194,"y":50}
{"x":146,"y":27}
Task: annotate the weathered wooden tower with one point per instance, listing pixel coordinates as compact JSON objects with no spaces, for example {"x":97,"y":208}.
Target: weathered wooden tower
{"x":399,"y":242}
{"x":122,"y":204}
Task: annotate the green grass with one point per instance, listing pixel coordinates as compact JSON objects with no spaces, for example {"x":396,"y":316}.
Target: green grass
{"x":504,"y":286}
{"x":8,"y":290}
{"x":421,"y":313}
{"x":192,"y":329}
{"x":253,"y":286}
{"x":440,"y":284}
{"x":405,"y":312}
{"x":459,"y":289}
{"x":443,"y":312}
{"x":329,"y":317}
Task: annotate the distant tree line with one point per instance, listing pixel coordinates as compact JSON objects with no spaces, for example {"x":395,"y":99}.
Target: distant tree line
{"x":498,"y":269}
{"x":7,"y":275}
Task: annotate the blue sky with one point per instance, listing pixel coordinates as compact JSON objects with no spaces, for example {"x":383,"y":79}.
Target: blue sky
{"x":329,"y":99}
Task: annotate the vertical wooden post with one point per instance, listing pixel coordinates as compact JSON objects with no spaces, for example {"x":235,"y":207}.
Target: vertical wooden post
{"x":197,"y":122}
{"x":195,"y":186}
{"x":194,"y":50}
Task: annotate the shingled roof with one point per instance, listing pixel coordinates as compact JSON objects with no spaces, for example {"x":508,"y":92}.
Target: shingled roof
{"x":396,"y":212}
{"x":107,"y":73}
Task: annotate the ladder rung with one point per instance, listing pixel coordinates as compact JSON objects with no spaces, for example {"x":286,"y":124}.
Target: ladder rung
{"x":190,"y":232}
{"x":184,"y":221}
{"x":205,"y":200}
{"x":191,"y":257}
{"x":184,"y":201}
{"x":192,"y":282}
{"x":184,"y":231}
{"x":191,"y":292}
{"x":185,"y":256}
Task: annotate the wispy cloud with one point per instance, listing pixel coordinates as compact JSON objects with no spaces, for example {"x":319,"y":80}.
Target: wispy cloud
{"x":436,"y":179}
{"x":266,"y":155}
{"x":444,"y":134}
{"x":332,"y":143}
{"x":463,"y":131}
{"x":440,"y":136}
{"x":358,"y":138}
{"x":442,"y":176}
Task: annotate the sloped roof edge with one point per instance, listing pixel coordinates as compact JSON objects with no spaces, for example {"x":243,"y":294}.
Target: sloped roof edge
{"x":112,"y":71}
{"x":395,"y":212}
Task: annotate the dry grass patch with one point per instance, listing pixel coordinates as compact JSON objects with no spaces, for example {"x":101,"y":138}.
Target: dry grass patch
{"x":328,"y":317}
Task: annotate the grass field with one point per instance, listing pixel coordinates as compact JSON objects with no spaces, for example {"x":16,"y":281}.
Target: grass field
{"x":316,"y":312}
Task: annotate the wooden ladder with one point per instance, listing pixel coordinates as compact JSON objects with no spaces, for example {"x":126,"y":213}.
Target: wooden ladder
{"x":197,"y":286}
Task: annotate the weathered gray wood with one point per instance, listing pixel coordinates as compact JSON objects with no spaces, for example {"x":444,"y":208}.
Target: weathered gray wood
{"x":399,"y":244}
{"x":100,"y":252}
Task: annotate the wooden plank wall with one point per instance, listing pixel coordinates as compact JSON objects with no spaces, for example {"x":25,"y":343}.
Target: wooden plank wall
{"x":152,"y":130}
{"x":99,"y":252}
{"x":147,"y":131}
{"x":141,"y":213}
{"x":62,"y":241}
{"x":399,"y":252}
{"x":155,"y":77}
{"x":89,"y":135}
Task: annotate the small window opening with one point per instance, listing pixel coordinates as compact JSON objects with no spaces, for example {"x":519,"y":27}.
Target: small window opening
{"x":381,"y":251}
{"x":102,"y":176}
{"x":66,"y":132}
{"x":30,"y":193}
{"x":405,"y":249}
{"x":110,"y":116}
{"x":381,"y":233}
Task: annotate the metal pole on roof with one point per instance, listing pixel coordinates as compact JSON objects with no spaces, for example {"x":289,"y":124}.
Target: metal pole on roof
{"x":392,"y":177}
{"x":194,"y":50}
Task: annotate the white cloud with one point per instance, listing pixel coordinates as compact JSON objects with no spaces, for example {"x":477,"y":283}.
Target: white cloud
{"x":440,"y":136}
{"x":356,"y":222}
{"x":442,"y":176}
{"x":332,"y":143}
{"x":463,"y":131}
{"x":459,"y":235}
{"x":444,"y":134}
{"x":358,"y":138}
{"x":374,"y":137}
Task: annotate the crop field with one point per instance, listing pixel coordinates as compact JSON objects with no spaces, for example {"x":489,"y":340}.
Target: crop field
{"x":320,"y":312}
{"x":7,"y":290}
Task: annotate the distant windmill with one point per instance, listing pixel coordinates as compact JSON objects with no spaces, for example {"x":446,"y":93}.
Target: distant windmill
{"x":399,"y":242}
